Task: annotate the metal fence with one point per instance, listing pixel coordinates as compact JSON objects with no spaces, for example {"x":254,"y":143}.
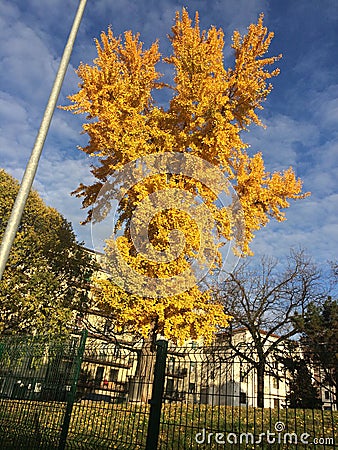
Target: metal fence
{"x":66,"y":393}
{"x":38,"y":380}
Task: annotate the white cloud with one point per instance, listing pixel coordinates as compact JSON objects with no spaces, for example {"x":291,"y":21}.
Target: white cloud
{"x":56,"y":179}
{"x":29,"y":65}
{"x":279,"y":140}
{"x":16,"y":133}
{"x":311,"y":224}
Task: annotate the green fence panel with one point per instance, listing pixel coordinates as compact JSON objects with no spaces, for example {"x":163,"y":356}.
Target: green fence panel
{"x":112,"y":405}
{"x":72,"y":392}
{"x":36,"y":378}
{"x":63,"y":393}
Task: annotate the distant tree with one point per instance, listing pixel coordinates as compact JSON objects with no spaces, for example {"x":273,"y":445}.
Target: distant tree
{"x":209,"y":109}
{"x":47,"y":274}
{"x":319,"y":331}
{"x":264,"y":299}
{"x":303,"y":391}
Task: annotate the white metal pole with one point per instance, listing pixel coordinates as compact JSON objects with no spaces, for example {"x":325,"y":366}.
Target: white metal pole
{"x":33,"y":162}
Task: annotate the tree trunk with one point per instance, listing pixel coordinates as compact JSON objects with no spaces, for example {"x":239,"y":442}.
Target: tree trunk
{"x":260,"y":385}
{"x":140,"y":386}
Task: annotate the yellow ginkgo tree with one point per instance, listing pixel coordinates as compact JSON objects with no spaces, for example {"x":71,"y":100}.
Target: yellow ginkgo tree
{"x":210,"y":107}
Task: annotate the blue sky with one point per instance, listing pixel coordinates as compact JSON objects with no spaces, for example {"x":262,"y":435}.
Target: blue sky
{"x":301,"y":113}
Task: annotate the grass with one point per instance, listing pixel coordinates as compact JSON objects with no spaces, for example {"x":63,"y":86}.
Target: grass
{"x":181,"y":432}
{"x":97,"y":425}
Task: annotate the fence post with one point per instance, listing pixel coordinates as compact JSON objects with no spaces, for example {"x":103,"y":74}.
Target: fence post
{"x":72,"y":393}
{"x":156,"y":396}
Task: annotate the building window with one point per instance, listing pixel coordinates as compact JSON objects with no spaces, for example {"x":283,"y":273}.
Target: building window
{"x":327,"y":395}
{"x":99,"y":375}
{"x":113,"y":374}
{"x":171,"y":364}
{"x":242,"y":398}
{"x":275,"y":383}
{"x":192,"y":388}
{"x":243,"y":376}
{"x":169,"y":387}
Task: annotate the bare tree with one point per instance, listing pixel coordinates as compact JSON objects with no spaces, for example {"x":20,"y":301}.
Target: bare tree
{"x":264,"y":300}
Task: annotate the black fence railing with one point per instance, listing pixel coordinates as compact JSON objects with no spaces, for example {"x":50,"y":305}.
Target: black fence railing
{"x":65,"y":394}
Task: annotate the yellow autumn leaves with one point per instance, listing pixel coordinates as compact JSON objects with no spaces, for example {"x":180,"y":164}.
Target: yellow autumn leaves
{"x":209,"y":109}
